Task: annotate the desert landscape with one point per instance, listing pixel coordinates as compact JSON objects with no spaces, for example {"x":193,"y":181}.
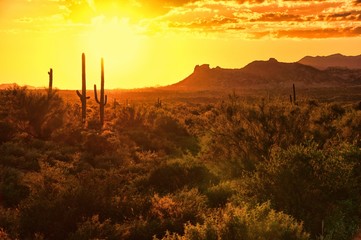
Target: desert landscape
{"x":180,"y":120}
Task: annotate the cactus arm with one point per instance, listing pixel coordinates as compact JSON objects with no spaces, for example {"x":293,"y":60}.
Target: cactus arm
{"x":96,"y":94}
{"x":79,"y":94}
{"x":106,"y":100}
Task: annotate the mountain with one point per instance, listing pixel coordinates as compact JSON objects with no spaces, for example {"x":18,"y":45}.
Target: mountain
{"x":7,"y":85}
{"x":266,"y":74}
{"x":11,"y":85}
{"x":335,"y":60}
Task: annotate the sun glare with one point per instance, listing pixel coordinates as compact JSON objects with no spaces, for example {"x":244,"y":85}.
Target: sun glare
{"x":116,"y":41}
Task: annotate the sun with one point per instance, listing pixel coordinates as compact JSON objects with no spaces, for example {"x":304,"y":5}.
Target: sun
{"x":117,"y":41}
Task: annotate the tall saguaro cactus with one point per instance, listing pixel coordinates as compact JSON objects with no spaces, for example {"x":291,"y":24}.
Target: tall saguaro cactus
{"x":294,"y":93}
{"x":83,"y":96}
{"x":50,"y":89}
{"x":103,"y":99}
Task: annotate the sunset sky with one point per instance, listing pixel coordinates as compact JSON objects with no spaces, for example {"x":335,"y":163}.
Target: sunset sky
{"x":158,"y":42}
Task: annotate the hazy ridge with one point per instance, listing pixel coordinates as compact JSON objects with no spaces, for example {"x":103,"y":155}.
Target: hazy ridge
{"x":272,"y":74}
{"x":334,"y":70}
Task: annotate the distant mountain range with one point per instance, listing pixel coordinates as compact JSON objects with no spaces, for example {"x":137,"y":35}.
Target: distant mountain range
{"x":335,"y":60}
{"x":10,"y":85}
{"x":272,"y":74}
{"x":310,"y":72}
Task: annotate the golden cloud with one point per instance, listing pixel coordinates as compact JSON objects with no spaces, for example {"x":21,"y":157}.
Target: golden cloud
{"x":238,"y":18}
{"x":274,"y":19}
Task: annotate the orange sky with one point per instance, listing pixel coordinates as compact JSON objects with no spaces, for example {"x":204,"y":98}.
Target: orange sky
{"x":158,"y":42}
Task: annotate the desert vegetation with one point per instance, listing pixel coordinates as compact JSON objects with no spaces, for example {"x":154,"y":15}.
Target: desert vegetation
{"x":234,"y":168}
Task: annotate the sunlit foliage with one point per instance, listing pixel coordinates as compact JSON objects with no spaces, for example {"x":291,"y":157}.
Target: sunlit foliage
{"x":233,"y":169}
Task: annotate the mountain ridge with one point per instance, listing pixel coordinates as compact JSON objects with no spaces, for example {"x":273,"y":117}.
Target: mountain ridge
{"x":268,"y":74}
{"x":334,"y":60}
{"x":4,"y":86}
{"x":335,"y":70}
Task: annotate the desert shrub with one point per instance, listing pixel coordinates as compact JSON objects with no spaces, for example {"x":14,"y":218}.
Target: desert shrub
{"x":241,"y":135}
{"x":155,"y":129}
{"x":70,"y":132}
{"x":219,"y":195}
{"x":19,"y":155}
{"x":93,"y":228}
{"x":259,"y":222}
{"x":128,"y":205}
{"x":168,"y":212}
{"x":33,"y":112}
{"x":323,"y":122}
{"x":97,"y":144}
{"x":130,"y":117}
{"x":4,"y":235}
{"x":174,"y":132}
{"x":173,"y":210}
{"x":311,"y":183}
{"x":12,"y":191}
{"x":343,"y":222}
{"x":7,"y":130}
{"x":173,"y":175}
{"x":50,"y":189}
{"x":9,"y":218}
{"x":349,"y":127}
{"x":184,"y":205}
{"x":59,"y":220}
{"x":65,"y":199}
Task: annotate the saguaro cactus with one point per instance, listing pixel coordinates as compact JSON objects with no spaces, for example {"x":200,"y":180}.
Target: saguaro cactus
{"x":294,"y":93}
{"x":158,"y":103}
{"x":103,"y":99}
{"x":83,"y":96}
{"x":50,"y":89}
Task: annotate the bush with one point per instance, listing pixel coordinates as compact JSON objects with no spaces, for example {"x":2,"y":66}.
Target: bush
{"x":7,"y":130}
{"x":259,"y":222}
{"x":9,"y":222}
{"x":11,"y":189}
{"x":19,"y":155}
{"x":241,"y":135}
{"x":310,"y":183}
{"x":92,"y":228}
{"x":175,"y":175}
{"x":168,"y":212}
{"x":32,"y":112}
{"x":4,"y":235}
{"x":219,"y":195}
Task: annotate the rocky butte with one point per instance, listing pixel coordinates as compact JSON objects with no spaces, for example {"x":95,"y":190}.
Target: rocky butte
{"x":269,"y":74}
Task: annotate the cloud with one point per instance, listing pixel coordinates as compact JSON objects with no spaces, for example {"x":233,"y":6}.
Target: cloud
{"x":320,"y":33}
{"x":265,"y":18}
{"x":236,"y":18}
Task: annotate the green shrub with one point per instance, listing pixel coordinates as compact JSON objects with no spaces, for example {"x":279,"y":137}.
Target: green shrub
{"x":175,"y":175}
{"x":9,"y":222}
{"x":241,"y":135}
{"x":4,"y":235}
{"x":93,"y":228}
{"x":219,"y":195}
{"x":167,"y":212}
{"x":249,"y":223}
{"x":12,"y":191}
{"x":19,"y":155}
{"x":310,"y":183}
{"x":33,"y":112}
{"x":7,"y":130}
